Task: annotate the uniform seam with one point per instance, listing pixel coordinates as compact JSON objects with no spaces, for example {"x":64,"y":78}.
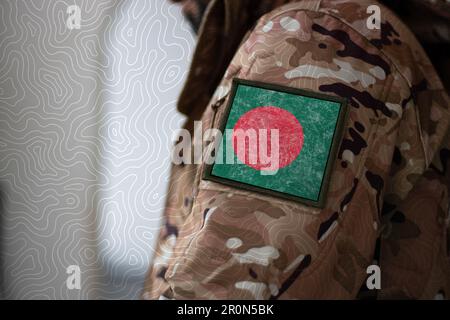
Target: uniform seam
{"x":319,"y":3}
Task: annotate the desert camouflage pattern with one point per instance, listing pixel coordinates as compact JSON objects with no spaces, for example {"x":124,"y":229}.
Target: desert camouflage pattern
{"x":388,"y":191}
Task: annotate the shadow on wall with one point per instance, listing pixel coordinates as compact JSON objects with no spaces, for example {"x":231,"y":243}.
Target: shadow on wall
{"x":147,"y":55}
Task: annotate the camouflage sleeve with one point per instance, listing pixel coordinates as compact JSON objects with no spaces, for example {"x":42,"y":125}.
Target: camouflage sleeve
{"x":238,"y":244}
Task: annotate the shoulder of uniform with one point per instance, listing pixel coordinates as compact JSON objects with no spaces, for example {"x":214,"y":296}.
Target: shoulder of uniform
{"x":397,"y":44}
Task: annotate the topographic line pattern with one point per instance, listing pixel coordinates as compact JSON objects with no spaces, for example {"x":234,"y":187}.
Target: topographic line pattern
{"x":86,"y":123}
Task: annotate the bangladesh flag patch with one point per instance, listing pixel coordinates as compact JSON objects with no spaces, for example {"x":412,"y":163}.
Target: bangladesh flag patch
{"x":278,"y":140}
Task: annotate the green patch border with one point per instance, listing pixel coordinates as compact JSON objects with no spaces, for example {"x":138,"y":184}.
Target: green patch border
{"x":334,"y":147}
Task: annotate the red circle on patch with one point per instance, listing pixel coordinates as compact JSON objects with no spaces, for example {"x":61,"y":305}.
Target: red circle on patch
{"x":290,"y":134}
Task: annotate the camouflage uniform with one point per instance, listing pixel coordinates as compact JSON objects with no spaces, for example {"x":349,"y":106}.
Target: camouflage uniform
{"x":389,"y":182}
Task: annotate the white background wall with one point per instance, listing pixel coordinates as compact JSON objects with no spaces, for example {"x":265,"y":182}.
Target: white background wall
{"x":86,"y":117}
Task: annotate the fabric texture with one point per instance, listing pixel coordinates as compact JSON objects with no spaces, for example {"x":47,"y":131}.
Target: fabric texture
{"x":390,"y":180}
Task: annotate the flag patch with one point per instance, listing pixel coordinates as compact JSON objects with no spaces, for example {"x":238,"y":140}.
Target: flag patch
{"x":282,"y":141}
